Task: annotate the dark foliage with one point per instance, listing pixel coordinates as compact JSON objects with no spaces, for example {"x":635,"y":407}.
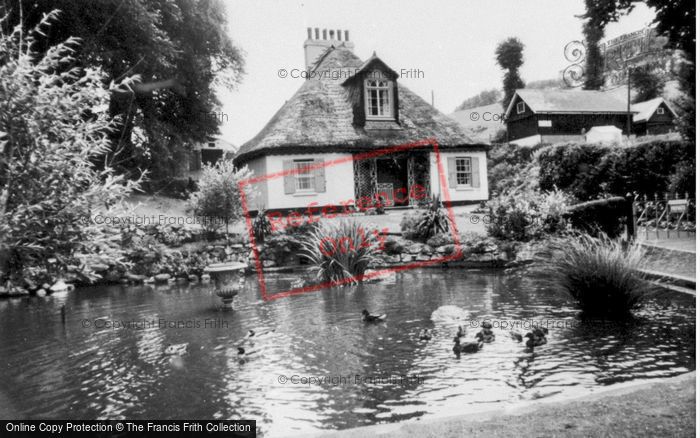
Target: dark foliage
{"x":509,"y":56}
{"x":603,"y":215}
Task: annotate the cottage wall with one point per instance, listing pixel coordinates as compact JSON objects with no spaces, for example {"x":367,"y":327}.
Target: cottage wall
{"x":459,"y":194}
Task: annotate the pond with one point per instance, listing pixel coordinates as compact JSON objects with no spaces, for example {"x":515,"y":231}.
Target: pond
{"x":108,"y":359}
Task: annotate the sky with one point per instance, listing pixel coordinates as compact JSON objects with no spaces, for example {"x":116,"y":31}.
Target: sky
{"x":451,"y":42}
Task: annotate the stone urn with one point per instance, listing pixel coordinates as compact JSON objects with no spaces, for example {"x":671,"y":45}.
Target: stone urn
{"x":225,"y":277}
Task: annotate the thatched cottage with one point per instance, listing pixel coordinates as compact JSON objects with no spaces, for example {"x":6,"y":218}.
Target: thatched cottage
{"x":349,"y":106}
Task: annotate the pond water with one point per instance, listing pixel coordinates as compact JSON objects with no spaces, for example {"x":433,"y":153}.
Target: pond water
{"x":84,"y":368}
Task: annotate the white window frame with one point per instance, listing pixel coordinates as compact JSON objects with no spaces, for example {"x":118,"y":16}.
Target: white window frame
{"x":467,"y":170}
{"x":304,"y":176}
{"x":520,"y":107}
{"x":378,"y":85}
{"x":660,"y":110}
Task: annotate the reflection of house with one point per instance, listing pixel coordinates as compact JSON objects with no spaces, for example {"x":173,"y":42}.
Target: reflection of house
{"x":552,"y":116}
{"x":210,"y":152}
{"x":653,"y":117}
{"x":349,"y":106}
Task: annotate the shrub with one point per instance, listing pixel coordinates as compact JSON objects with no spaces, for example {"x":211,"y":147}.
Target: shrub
{"x":340,"y":252}
{"x":528,"y":215}
{"x":603,"y":215}
{"x":593,"y":171}
{"x":602,"y":275}
{"x":424,"y":223}
{"x":55,"y":120}
{"x":219,"y":195}
{"x":261,"y":226}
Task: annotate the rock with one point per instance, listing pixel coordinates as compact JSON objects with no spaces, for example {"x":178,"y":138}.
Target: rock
{"x":193,"y":278}
{"x":41,"y":293}
{"x":162,"y":278}
{"x":268,"y":263}
{"x":445,"y":249}
{"x":422,"y":257}
{"x":182,"y":280}
{"x":59,"y":286}
{"x":237,"y":246}
{"x":123,"y":280}
{"x":503,"y":256}
{"x":416,"y":248}
{"x":427,"y":249}
{"x":135,"y":278}
{"x":149,"y":280}
{"x":205,"y":278}
{"x":99,"y":267}
{"x":393,"y":259}
{"x":480,"y":258}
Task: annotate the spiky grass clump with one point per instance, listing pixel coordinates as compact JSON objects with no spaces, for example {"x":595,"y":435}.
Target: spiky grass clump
{"x":601,"y":274}
{"x":339,"y":252}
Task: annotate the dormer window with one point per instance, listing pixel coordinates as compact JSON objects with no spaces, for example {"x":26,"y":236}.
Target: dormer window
{"x":379,"y":101}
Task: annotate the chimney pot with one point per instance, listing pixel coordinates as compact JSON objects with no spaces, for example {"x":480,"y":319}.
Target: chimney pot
{"x":308,"y":32}
{"x":331,"y":34}
{"x":317,"y":33}
{"x":347,"y":35}
{"x":340,"y":35}
{"x":325,"y":34}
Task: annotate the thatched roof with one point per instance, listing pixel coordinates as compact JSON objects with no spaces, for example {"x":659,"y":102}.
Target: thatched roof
{"x":320,"y":115}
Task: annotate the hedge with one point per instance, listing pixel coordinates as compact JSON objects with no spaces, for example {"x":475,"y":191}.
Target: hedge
{"x":591,"y":171}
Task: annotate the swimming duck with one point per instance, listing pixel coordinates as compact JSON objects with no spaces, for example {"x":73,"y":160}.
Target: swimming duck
{"x":241,"y":351}
{"x":516,"y":336}
{"x":251,"y":333}
{"x":425,"y":335}
{"x":486,"y":336}
{"x":460,"y":332}
{"x":368,"y":317}
{"x":534,"y":341}
{"x":178,"y":349}
{"x":468,"y":347}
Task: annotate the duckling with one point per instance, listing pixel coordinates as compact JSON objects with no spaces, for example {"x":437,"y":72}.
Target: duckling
{"x":251,"y":333}
{"x":241,"y":351}
{"x":178,"y":349}
{"x":460,"y":332}
{"x":468,"y":347}
{"x":425,"y":335}
{"x":533,"y":341}
{"x":516,"y":336}
{"x":368,"y":317}
{"x":486,"y":336}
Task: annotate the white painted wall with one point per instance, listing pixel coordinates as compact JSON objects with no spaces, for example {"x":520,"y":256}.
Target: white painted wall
{"x":258,"y":200}
{"x":340,"y":185}
{"x":459,"y":194}
{"x":527,"y":141}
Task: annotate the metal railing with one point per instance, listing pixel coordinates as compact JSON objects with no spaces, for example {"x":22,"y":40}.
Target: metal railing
{"x":664,"y":217}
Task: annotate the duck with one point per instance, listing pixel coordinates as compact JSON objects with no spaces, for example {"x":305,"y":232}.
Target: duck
{"x":468,"y":347}
{"x":251,"y":333}
{"x":534,"y":341}
{"x":178,"y":349}
{"x":425,"y":335}
{"x":486,"y":336}
{"x":460,"y":332}
{"x":368,"y":317}
{"x":516,"y":336}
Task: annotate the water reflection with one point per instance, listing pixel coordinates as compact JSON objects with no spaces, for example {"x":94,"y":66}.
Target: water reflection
{"x":97,"y":370}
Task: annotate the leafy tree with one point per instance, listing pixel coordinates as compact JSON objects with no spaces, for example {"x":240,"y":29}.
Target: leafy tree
{"x":219,"y":197}
{"x":53,"y":120}
{"x":179,"y":51}
{"x":676,"y":20}
{"x":647,"y":83}
{"x":486,"y":97}
{"x":593,"y":33}
{"x":509,"y":55}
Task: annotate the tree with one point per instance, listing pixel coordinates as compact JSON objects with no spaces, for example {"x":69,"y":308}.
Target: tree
{"x":509,"y":55}
{"x":53,"y":120}
{"x":177,"y":50}
{"x":218,"y":197}
{"x":593,"y":34}
{"x":676,"y":20}
{"x":487,"y":97}
{"x":646,"y":83}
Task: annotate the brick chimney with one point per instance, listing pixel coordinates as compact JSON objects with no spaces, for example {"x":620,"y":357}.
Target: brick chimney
{"x":318,"y":40}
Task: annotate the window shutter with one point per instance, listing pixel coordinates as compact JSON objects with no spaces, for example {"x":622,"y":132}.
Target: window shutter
{"x":452,"y":172}
{"x":320,"y":176}
{"x":476,"y":182}
{"x":289,"y":180}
